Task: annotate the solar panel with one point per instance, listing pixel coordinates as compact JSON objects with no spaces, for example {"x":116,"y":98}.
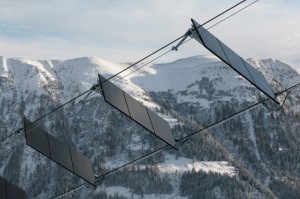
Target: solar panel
{"x":60,"y":153}
{"x":14,"y":192}
{"x":136,"y":111}
{"x":236,"y":62}
{"x":258,"y":78}
{"x":10,"y":191}
{"x":82,"y":166}
{"x":232,"y":59}
{"x":213,"y":43}
{"x":115,"y":96}
{"x":161,"y":128}
{"x":37,"y":138}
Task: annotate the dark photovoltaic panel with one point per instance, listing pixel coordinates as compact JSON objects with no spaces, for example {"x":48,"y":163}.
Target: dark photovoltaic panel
{"x":237,"y":63}
{"x":37,"y":138}
{"x":232,"y":59}
{"x":161,"y":128}
{"x":10,"y":191}
{"x":115,"y":96}
{"x":136,"y":111}
{"x":82,"y":166}
{"x":60,"y":153}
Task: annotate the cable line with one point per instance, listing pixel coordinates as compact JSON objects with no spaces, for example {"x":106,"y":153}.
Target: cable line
{"x":175,"y":40}
{"x":186,"y":40}
{"x":57,"y":108}
{"x":234,"y":14}
{"x":186,"y":138}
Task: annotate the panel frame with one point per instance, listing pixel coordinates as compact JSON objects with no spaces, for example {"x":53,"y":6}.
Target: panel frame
{"x":76,"y":169}
{"x":129,"y":100}
{"x":40,"y":132}
{"x":50,"y":157}
{"x":103,"y":80}
{"x":154,"y":116}
{"x":53,"y":142}
{"x":272,"y":96}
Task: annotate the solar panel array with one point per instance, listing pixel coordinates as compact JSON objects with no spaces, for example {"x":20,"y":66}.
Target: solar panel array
{"x":232,"y":59}
{"x":57,"y":151}
{"x":10,"y":191}
{"x":116,"y":97}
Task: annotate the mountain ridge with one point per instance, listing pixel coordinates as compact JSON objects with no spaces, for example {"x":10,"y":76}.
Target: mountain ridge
{"x":189,"y":93}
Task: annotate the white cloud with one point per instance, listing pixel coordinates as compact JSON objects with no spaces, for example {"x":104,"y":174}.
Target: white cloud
{"x":127,"y":30}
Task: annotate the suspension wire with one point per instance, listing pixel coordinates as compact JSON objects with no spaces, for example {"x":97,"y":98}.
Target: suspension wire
{"x":143,"y":66}
{"x":188,"y":39}
{"x":289,"y":89}
{"x":222,"y":176}
{"x":234,"y":13}
{"x":57,"y":108}
{"x":175,"y":40}
{"x":162,"y":148}
{"x":10,"y":135}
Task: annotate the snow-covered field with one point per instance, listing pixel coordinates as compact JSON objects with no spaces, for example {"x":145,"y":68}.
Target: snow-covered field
{"x":180,"y":165}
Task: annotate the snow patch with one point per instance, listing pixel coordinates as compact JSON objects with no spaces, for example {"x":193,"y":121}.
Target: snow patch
{"x":252,"y":134}
{"x":181,"y":165}
{"x":122,"y":191}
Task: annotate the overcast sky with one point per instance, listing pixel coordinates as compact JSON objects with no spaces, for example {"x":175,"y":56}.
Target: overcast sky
{"x":125,"y":31}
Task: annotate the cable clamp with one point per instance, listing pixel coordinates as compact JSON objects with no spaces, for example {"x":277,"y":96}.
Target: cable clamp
{"x":186,"y":35}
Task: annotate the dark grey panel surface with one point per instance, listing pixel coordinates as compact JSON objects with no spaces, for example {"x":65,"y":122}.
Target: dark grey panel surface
{"x":2,"y":188}
{"x":211,"y":42}
{"x":198,"y":39}
{"x":60,"y":153}
{"x":82,"y":166}
{"x":259,"y":79}
{"x":114,"y":96}
{"x":233,"y":60}
{"x":161,"y":128}
{"x":14,"y":192}
{"x":138,"y":112}
{"x":117,"y":99}
{"x":37,"y":138}
{"x":236,"y":62}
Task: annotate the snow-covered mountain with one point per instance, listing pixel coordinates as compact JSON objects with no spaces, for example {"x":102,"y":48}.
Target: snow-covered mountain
{"x":254,"y":155}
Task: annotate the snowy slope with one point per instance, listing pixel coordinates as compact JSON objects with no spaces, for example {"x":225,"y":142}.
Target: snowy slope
{"x":200,"y":89}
